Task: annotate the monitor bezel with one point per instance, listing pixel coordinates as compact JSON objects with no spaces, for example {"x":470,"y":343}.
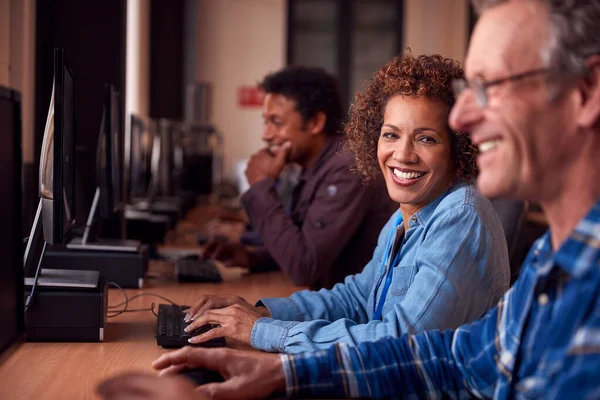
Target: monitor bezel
{"x":17,"y":245}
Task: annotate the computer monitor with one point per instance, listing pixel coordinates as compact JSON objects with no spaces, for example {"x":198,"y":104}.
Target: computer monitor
{"x":109,"y":171}
{"x":109,"y":179}
{"x":155,"y":161}
{"x":57,"y":177}
{"x":11,"y":270}
{"x":139,"y":154}
{"x":169,"y":132}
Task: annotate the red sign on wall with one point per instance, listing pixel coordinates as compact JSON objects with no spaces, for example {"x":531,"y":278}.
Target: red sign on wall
{"x":250,"y":97}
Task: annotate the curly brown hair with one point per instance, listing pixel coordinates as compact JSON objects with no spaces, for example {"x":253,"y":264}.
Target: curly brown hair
{"x":428,"y":76}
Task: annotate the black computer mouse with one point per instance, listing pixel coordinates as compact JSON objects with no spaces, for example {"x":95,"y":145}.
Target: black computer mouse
{"x":201,"y":376}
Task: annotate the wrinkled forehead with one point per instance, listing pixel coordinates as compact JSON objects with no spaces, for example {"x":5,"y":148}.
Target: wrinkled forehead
{"x":509,"y":38}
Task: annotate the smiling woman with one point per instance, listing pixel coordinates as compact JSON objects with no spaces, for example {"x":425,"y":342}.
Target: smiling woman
{"x":424,"y":78}
{"x":441,"y":260}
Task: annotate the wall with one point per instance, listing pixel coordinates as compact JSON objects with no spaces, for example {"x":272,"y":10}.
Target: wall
{"x":236,"y":43}
{"x":436,"y":26}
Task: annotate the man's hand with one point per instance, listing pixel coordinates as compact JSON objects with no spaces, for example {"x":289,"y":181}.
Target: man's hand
{"x":264,"y":164}
{"x":236,"y":322}
{"x":231,"y":254}
{"x":137,"y":386}
{"x":247,"y":374}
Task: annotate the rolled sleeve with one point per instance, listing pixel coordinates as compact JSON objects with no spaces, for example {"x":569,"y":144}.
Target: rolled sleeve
{"x":269,"y":334}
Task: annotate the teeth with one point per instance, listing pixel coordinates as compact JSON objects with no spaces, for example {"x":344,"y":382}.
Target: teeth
{"x":487,"y":146}
{"x":407,"y":175}
{"x":274,"y":148}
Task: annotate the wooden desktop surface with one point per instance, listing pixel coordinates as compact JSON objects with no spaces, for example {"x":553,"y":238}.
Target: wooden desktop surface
{"x":72,"y":370}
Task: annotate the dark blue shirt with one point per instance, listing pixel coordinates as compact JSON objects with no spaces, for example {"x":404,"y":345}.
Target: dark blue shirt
{"x":542,"y":340}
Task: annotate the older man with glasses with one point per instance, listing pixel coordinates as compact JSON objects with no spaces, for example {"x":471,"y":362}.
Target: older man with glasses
{"x":531,"y":103}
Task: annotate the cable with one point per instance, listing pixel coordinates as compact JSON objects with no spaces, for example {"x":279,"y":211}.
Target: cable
{"x":128,"y":299}
{"x":35,"y":280}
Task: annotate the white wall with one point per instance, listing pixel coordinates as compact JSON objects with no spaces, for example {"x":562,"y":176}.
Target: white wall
{"x":236,"y":43}
{"x":436,"y":26}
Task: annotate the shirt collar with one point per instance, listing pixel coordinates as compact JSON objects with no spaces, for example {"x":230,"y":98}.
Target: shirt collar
{"x":332,"y":145}
{"x":580,"y":253}
{"x":424,"y":214}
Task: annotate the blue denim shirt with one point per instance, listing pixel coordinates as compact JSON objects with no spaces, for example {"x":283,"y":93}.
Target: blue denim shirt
{"x":542,"y":341}
{"x":453,"y":268}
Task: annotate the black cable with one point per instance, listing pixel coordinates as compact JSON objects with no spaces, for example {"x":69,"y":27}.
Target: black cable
{"x":35,"y":280}
{"x":128,"y":299}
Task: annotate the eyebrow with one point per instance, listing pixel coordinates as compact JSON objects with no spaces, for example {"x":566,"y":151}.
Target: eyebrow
{"x":270,"y":116}
{"x":417,"y":130}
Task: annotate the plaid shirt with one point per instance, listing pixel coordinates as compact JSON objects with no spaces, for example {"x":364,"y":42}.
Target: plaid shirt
{"x":542,"y":340}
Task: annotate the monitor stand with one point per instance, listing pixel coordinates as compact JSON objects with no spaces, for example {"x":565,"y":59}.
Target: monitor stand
{"x":84,"y":243}
{"x":117,"y":245}
{"x":123,"y":262}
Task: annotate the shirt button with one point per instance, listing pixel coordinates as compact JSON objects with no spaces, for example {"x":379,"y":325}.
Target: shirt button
{"x":414,"y":219}
{"x":543,"y":299}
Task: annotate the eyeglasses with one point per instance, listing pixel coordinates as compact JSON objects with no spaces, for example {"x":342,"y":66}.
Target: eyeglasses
{"x":479,"y":86}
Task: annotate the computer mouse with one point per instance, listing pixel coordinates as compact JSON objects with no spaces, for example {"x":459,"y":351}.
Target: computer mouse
{"x":201,"y":376}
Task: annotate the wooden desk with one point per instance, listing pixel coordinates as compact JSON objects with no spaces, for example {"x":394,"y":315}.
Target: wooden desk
{"x":72,"y":370}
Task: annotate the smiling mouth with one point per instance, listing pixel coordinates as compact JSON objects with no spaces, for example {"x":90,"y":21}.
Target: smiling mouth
{"x":273,"y":149}
{"x":407,"y":176}
{"x":488,"y":145}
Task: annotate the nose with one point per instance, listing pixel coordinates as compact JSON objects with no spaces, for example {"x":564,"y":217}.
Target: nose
{"x":466,"y":113}
{"x":404,"y":151}
{"x":268,"y":132}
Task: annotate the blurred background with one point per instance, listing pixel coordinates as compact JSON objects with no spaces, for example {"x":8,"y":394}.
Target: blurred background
{"x":198,"y":61}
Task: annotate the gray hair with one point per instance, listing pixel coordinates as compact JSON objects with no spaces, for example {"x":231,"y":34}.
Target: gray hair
{"x":574,"y":33}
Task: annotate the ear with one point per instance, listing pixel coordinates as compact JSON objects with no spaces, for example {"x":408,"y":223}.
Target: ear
{"x":316,"y":124}
{"x":589,"y":114}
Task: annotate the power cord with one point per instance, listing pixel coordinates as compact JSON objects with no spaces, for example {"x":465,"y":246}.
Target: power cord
{"x":125,"y":303}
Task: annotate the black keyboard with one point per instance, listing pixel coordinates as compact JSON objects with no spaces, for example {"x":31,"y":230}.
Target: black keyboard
{"x":170,"y":329}
{"x":195,"y":270}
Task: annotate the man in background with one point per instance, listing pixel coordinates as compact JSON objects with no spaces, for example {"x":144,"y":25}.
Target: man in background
{"x":531,"y":103}
{"x":329,"y":228}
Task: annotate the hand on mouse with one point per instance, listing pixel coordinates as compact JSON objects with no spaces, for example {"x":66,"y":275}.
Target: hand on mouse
{"x":236,"y":322}
{"x":247,"y":374}
{"x":134,"y":385}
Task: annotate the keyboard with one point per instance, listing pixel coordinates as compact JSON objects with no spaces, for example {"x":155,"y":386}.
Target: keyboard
{"x":195,"y":270}
{"x":170,"y":329}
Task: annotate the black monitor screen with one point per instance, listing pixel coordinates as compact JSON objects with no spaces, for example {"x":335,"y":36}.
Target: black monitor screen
{"x":68,"y":151}
{"x":137,"y":173}
{"x":110,"y":150}
{"x":116,"y":149}
{"x":11,"y":267}
{"x":57,"y":177}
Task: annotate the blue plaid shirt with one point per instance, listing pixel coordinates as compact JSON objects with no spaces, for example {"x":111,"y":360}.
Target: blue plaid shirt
{"x":542,"y":340}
